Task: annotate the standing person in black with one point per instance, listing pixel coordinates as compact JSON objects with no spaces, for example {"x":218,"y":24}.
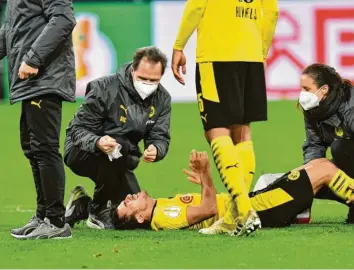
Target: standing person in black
{"x":36,"y":38}
{"x":118,"y":112}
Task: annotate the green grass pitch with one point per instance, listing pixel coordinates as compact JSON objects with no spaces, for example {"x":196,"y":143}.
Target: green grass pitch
{"x":326,"y":243}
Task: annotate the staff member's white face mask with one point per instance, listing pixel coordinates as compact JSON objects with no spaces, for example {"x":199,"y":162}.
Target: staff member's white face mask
{"x":309,"y":100}
{"x":144,"y":88}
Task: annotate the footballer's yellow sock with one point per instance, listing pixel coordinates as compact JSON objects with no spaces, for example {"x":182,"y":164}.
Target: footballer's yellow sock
{"x":231,"y":172}
{"x":231,"y":213}
{"x":248,"y":159}
{"x":340,"y":185}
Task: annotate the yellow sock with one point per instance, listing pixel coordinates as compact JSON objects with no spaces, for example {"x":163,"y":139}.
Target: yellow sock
{"x":248,"y":159}
{"x":340,"y":185}
{"x":231,"y":213}
{"x":231,"y":172}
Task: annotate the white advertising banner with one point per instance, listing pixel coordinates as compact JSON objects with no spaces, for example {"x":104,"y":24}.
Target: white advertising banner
{"x":95,"y":55}
{"x":307,"y":32}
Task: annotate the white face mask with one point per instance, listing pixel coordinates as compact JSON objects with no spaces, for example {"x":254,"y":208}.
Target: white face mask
{"x":144,"y":89}
{"x":309,"y":100}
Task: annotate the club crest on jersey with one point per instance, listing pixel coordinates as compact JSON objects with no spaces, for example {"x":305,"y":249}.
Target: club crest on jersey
{"x":294,"y":175}
{"x":172,"y":211}
{"x":188,"y":198}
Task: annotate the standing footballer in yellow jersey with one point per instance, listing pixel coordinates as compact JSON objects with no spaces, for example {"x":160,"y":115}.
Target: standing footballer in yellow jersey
{"x":234,"y":37}
{"x":277,"y":204}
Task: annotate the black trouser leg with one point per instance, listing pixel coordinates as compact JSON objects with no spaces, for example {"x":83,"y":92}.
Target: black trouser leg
{"x":113,"y":179}
{"x":114,"y":182}
{"x":129,"y":185}
{"x":25,"y":144}
{"x":43,"y":117}
{"x":343,"y":157}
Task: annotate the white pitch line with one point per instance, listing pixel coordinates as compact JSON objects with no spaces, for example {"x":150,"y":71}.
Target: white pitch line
{"x":16,"y":209}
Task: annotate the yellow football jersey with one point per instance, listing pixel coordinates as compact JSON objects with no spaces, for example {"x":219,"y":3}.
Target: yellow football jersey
{"x":171,"y":213}
{"x":229,"y":30}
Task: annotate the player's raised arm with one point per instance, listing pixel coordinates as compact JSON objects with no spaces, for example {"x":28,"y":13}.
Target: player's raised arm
{"x":270,"y":12}
{"x":207,"y":207}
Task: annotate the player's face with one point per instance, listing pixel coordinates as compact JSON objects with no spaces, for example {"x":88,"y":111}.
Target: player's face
{"x":133,"y":205}
{"x":148,"y":72}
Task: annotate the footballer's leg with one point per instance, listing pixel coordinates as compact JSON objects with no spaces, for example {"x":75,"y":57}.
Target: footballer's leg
{"x":241,"y":136}
{"x":323,"y":172}
{"x":220,"y":97}
{"x":255,"y":109}
{"x":278,"y":204}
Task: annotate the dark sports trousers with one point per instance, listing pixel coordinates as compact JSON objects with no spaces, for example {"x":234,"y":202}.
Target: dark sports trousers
{"x":40,"y":132}
{"x":343,"y":157}
{"x":114,"y":180}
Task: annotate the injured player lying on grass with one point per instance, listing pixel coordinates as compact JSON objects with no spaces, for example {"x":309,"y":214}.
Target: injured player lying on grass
{"x":276,"y":205}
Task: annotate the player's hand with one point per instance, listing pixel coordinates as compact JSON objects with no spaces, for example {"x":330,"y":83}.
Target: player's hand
{"x":193,"y":177}
{"x":106,"y":144}
{"x":199,"y":162}
{"x":26,"y":71}
{"x":179,"y":62}
{"x":150,"y":153}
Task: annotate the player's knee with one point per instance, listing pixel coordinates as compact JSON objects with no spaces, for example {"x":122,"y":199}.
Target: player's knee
{"x":325,"y":166}
{"x":240,"y":133}
{"x":318,"y":161}
{"x":214,"y":133}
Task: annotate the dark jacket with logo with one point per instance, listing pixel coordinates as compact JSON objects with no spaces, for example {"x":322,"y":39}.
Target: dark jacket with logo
{"x":321,"y":134}
{"x":113,"y":107}
{"x":39,"y":33}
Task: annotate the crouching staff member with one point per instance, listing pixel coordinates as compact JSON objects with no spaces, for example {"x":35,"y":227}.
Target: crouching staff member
{"x":328,"y":105}
{"x":102,"y":139}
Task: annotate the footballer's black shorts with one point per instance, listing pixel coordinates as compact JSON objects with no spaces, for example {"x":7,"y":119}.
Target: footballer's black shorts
{"x":278,"y":204}
{"x":231,"y":93}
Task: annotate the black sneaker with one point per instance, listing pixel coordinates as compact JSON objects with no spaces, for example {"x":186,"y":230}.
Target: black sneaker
{"x":46,"y":230}
{"x":101,"y":218}
{"x":28,"y":228}
{"x":350,"y":217}
{"x":77,"y":207}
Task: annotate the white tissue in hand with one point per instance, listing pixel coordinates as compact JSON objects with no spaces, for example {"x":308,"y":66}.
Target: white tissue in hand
{"x":115,"y":154}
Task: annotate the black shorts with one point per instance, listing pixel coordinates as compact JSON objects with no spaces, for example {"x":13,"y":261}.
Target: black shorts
{"x":278,"y":204}
{"x":231,"y":93}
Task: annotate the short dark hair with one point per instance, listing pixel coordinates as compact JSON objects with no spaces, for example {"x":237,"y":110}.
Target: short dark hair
{"x":124,"y":224}
{"x":152,"y":54}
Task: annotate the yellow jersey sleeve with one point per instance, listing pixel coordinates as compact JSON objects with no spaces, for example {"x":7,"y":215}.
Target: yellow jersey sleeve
{"x":270,"y":12}
{"x":191,"y":18}
{"x":169,"y":215}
